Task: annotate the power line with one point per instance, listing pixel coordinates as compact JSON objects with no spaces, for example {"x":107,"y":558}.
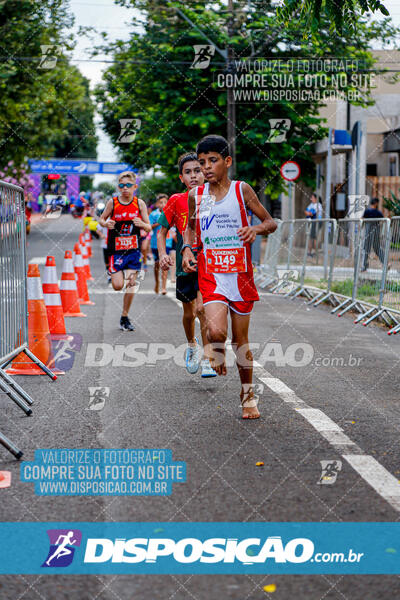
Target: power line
{"x":6,"y":59}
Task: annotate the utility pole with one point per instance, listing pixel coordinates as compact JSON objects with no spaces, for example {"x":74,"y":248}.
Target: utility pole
{"x":228,"y":55}
{"x":231,"y":108}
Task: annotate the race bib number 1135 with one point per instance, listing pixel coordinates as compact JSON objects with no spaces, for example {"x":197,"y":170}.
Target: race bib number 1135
{"x":129,"y":242}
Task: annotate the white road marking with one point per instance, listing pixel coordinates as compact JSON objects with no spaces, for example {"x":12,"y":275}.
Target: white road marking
{"x":276,"y":385}
{"x":383,"y":482}
{"x":319,"y":420}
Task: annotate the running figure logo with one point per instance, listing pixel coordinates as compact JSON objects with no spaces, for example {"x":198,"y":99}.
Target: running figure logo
{"x":139,"y":278}
{"x":64,"y":352}
{"x":98,"y":396}
{"x":258,"y":388}
{"x":50,"y":53}
{"x":129,"y":129}
{"x":62,"y":547}
{"x":206,"y":205}
{"x":287,"y":279}
{"x":330,"y":470}
{"x":54,"y":206}
{"x":279,"y":130}
{"x":203,"y":56}
{"x":357,"y":205}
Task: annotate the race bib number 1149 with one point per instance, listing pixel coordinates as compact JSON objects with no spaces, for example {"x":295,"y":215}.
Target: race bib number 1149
{"x":228,"y":260}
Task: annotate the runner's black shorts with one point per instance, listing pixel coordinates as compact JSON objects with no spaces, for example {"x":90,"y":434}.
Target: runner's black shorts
{"x":187,"y":287}
{"x":106,"y":256}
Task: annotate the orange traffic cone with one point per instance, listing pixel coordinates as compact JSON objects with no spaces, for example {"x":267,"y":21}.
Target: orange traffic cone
{"x":38,"y":330}
{"x":85,"y":257}
{"x":5,"y":479}
{"x":52,"y":300}
{"x":81,"y":276}
{"x":88,"y":240}
{"x":68,"y":289}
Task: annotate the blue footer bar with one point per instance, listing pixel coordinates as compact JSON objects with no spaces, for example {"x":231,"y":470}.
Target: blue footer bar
{"x":200,"y":548}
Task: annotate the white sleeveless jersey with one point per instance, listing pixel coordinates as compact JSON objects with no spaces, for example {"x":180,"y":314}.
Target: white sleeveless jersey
{"x":224,"y":264}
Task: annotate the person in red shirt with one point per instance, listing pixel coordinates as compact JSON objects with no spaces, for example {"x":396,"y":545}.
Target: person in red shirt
{"x":175,"y":213}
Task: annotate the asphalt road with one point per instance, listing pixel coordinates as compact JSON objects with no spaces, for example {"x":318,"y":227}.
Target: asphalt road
{"x":335,"y":397}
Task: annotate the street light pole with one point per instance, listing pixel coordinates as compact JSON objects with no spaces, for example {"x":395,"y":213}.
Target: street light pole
{"x":327,"y":211}
{"x":228,"y":55}
{"x":231,"y":107}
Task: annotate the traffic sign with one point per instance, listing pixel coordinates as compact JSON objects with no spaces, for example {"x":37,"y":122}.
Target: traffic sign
{"x":290,"y":170}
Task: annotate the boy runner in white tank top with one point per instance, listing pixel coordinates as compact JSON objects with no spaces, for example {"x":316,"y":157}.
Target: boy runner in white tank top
{"x":217,"y":216}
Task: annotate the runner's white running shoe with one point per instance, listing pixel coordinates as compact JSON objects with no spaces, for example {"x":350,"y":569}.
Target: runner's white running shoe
{"x":206,"y":369}
{"x":193,"y":358}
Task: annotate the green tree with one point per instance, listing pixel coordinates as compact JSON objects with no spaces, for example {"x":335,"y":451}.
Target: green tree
{"x":107,"y":187}
{"x":312,"y":12}
{"x":151,"y":79}
{"x":79,"y":139}
{"x":392,"y":204}
{"x":153,"y":185}
{"x":43,"y":111}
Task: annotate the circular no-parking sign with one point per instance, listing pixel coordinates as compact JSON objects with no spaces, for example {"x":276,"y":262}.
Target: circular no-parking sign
{"x":290,"y":170}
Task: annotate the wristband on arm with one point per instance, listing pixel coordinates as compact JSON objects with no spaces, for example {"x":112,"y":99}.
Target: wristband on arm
{"x":186,"y":246}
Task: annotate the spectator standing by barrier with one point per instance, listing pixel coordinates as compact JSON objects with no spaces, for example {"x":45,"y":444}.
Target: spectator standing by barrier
{"x":372,"y":233}
{"x":313,"y":211}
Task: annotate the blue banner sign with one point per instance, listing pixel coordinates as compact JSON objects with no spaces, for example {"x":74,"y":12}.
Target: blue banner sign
{"x":77,"y":167}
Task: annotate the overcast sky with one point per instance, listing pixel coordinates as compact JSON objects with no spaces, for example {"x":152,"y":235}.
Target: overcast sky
{"x":106,"y":16}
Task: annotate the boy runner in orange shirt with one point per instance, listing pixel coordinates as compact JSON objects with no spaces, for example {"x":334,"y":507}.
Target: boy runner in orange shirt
{"x":187,"y":289}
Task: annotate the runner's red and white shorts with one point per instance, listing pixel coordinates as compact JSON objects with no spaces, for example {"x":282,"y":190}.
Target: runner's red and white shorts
{"x":242,"y":307}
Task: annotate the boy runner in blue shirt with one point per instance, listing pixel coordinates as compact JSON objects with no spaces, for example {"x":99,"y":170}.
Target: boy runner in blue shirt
{"x":153,"y":217}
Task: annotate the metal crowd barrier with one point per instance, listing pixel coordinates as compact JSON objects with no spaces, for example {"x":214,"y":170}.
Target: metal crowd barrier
{"x":352,"y":261}
{"x":13,"y":297}
{"x":297,"y":256}
{"x":267,"y":273}
{"x":330,"y":234}
{"x":282,"y":252}
{"x":304,"y":244}
{"x":289,"y":256}
{"x":345,"y":265}
{"x":317,"y":247}
{"x":391,"y":292}
{"x":372,"y":276}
